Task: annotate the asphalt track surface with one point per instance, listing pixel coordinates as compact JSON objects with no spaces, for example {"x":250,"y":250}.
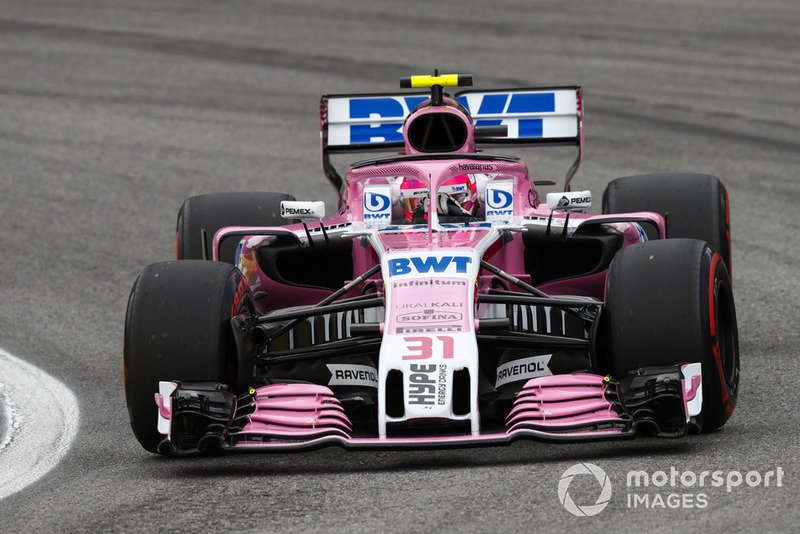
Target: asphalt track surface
{"x":111,"y":113}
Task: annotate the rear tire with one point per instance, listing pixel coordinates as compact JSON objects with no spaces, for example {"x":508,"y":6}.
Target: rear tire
{"x":669,"y":302}
{"x":695,"y":205}
{"x":178,"y":327}
{"x":218,"y":210}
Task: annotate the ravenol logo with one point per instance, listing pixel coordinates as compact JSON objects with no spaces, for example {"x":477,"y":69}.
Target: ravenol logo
{"x":398,"y":266}
{"x":497,"y":199}
{"x":375,"y":202}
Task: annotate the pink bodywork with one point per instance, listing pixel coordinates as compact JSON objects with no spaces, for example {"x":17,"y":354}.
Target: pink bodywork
{"x":435,"y":172}
{"x":508,"y":257}
{"x":296,"y":411}
{"x":290,"y":416}
{"x":563,"y":401}
{"x":561,"y":407}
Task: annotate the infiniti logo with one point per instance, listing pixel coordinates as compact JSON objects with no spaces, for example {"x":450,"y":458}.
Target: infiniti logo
{"x":602,"y":499}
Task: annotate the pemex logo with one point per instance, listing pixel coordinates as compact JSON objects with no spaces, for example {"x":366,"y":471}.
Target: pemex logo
{"x":589,"y":509}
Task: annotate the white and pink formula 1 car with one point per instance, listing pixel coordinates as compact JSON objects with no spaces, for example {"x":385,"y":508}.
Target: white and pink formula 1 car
{"x":445,"y":304}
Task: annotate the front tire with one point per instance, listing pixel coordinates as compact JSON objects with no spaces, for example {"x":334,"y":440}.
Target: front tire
{"x":178,"y":327}
{"x":669,"y":302}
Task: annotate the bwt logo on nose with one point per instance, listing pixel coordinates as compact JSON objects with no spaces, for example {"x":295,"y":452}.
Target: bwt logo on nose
{"x":430,"y":264}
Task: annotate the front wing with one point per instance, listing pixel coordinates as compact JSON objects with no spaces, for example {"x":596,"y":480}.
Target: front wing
{"x":205,"y":416}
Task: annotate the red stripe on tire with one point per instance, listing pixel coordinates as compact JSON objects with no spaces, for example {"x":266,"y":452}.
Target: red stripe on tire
{"x":711,"y":315}
{"x":713,"y":326}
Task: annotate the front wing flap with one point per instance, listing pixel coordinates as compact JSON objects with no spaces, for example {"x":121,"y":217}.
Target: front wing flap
{"x":205,"y":416}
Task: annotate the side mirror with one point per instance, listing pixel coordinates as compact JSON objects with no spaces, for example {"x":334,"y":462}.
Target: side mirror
{"x":572,"y":200}
{"x":300,"y":209}
{"x":567,"y":201}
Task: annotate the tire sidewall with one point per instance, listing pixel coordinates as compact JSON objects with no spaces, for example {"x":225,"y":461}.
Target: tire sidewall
{"x":670,"y":302}
{"x":177,"y":327}
{"x":721,"y":367}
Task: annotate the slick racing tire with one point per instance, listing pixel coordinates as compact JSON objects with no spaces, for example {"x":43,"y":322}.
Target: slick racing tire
{"x":218,"y":210}
{"x":178,"y":327}
{"x":695,"y":205}
{"x":670,"y":302}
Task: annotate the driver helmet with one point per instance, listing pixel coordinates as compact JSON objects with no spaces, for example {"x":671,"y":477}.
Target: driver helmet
{"x":413,"y":196}
{"x":462,"y":190}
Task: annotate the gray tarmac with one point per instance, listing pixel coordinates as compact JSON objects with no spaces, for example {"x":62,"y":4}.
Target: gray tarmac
{"x":111,"y":113}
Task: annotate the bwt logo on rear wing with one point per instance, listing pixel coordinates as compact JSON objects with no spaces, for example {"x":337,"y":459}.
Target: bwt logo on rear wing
{"x":362,"y":123}
{"x":532,"y":116}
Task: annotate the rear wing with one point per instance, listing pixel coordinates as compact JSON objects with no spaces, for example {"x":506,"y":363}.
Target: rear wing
{"x":550,"y":116}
